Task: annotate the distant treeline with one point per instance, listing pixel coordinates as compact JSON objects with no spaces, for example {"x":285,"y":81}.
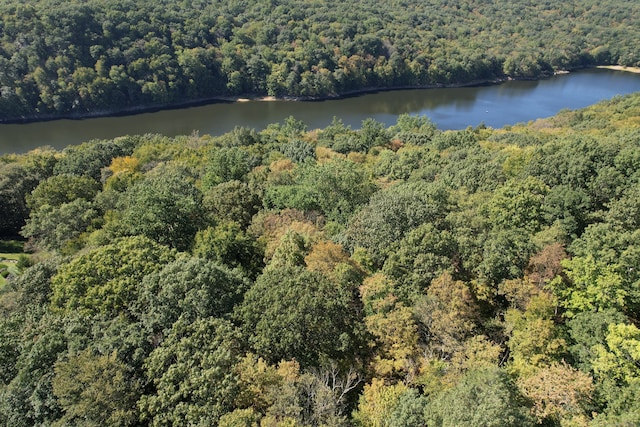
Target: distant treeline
{"x":71,"y":58}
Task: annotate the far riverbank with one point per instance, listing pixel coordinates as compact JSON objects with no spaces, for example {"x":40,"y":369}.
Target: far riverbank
{"x":145,"y":109}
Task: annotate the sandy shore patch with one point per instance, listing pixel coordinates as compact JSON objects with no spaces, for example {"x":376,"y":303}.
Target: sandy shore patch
{"x":262,"y":98}
{"x":621,"y":68}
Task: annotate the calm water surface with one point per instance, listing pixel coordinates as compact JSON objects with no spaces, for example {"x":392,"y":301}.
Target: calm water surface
{"x":451,"y":108}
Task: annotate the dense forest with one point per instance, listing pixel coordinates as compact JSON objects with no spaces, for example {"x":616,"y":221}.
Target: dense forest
{"x":398,"y":277}
{"x":73,"y":58}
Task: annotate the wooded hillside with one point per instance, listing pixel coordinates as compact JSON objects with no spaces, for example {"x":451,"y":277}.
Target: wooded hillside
{"x":396,"y":276}
{"x":62,"y":58}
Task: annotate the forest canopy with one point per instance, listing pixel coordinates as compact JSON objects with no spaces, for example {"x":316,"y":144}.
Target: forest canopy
{"x":73,"y":58}
{"x":399,"y":276}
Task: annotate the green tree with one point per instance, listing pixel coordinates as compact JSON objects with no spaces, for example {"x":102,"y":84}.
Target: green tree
{"x":89,"y":158}
{"x":51,"y":227}
{"x":371,"y":134}
{"x":417,"y":130}
{"x":60,"y":189}
{"x":10,"y":328}
{"x":231,"y":201}
{"x":504,"y":255}
{"x":291,"y":313}
{"x":165,"y":206}
{"x":336,"y":188}
{"x":16,"y":182}
{"x":299,"y":151}
{"x":187,"y":288}
{"x":28,"y":399}
{"x":105,"y":280}
{"x":34,"y":284}
{"x":587,"y":331}
{"x":622,"y":408}
{"x":423,"y":254}
{"x":228,"y":244}
{"x":95,"y":390}
{"x":227,"y":164}
{"x":483,"y":397}
{"x":192,"y":374}
{"x":518,"y":204}
{"x":409,"y":410}
{"x":393,"y":212}
{"x":590,"y":285}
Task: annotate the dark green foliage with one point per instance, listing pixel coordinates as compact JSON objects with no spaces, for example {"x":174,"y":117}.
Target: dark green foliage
{"x":192,"y":375}
{"x":518,"y":205}
{"x":88,"y":159}
{"x":9,"y":348}
{"x":16,"y":182}
{"x":409,"y":410}
{"x":336,"y":188}
{"x":190,"y":289}
{"x":34,"y":284}
{"x":482,"y":398}
{"x":393,"y":212}
{"x":28,"y":399}
{"x":416,"y":130}
{"x":456,"y":140}
{"x":625,"y":211}
{"x":227,"y":164}
{"x":372,"y":133}
{"x":573,"y":161}
{"x":240,"y":136}
{"x":622,"y":409}
{"x":473,"y":168}
{"x":52,"y":227}
{"x":298,"y":151}
{"x":587,"y":330}
{"x":568,"y":207}
{"x":165,"y":207}
{"x":292,"y":313}
{"x":422,"y":255}
{"x":231,"y":201}
{"x":61,"y":210}
{"x":409,"y":162}
{"x":228,"y":244}
{"x":504,"y":255}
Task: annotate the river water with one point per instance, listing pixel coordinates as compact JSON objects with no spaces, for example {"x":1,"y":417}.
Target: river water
{"x":449,"y":108}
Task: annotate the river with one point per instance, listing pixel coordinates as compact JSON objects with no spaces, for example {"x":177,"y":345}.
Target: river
{"x":498,"y":105}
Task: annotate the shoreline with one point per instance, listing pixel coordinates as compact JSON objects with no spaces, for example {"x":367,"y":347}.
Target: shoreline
{"x":132,"y":111}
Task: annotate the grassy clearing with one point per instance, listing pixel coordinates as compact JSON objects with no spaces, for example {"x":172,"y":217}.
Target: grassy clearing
{"x":10,"y":253}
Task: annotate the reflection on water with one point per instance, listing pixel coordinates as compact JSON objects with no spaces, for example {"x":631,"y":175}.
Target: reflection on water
{"x":451,"y":108}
